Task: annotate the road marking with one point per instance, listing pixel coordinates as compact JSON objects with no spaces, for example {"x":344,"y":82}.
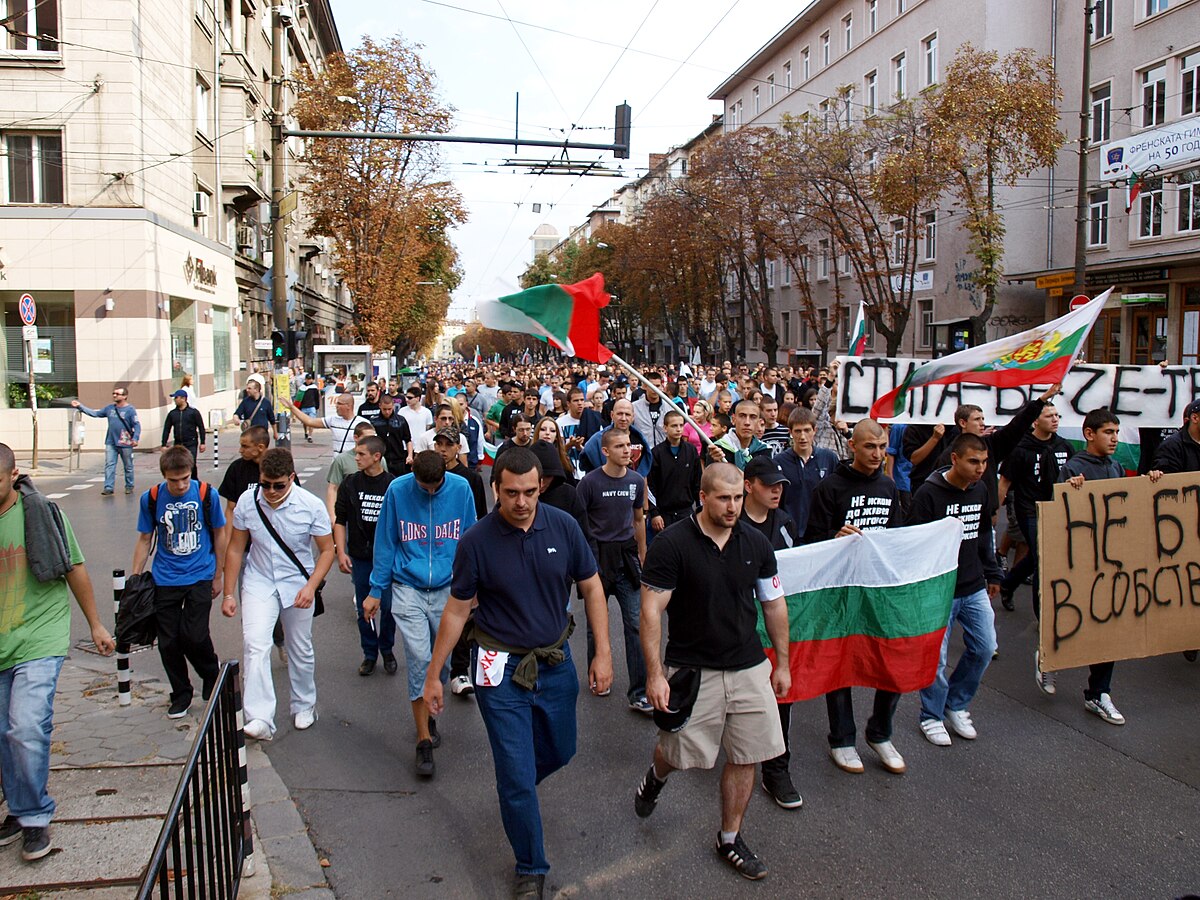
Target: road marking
{"x":97,"y":479}
{"x":79,"y":487}
{"x":55,"y":496}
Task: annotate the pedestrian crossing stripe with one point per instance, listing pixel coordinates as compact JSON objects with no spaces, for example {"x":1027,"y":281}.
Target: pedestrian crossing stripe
{"x":55,"y":496}
{"x":79,"y":487}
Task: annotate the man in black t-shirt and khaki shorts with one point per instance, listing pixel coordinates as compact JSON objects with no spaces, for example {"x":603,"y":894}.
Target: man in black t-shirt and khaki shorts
{"x":711,"y":568}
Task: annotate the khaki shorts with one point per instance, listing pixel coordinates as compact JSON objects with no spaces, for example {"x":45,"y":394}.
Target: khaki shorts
{"x":735,"y":710}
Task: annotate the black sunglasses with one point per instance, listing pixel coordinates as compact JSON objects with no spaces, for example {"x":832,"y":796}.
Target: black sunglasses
{"x":274,"y":485}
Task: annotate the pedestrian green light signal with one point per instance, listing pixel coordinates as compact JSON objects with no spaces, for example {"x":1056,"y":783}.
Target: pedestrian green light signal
{"x":278,"y":346}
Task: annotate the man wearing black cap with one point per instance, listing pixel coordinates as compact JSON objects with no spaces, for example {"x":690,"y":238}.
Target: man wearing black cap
{"x":188,"y":425}
{"x":447,"y":443}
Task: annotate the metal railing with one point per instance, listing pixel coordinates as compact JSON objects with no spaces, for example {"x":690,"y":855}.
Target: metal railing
{"x":205,"y":839}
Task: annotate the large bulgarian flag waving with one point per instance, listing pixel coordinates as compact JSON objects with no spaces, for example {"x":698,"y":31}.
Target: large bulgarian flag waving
{"x":868,"y":610}
{"x":1041,"y":355}
{"x":858,"y":337}
{"x":566,"y":315}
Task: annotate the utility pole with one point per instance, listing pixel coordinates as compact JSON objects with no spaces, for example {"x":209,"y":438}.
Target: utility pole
{"x":278,"y":244}
{"x":1081,"y":197}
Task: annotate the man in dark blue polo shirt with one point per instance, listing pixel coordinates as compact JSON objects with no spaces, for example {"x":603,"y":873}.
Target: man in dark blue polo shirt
{"x":519,"y":562}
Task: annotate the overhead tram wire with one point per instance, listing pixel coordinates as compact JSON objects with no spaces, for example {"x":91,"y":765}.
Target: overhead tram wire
{"x":532,"y":58}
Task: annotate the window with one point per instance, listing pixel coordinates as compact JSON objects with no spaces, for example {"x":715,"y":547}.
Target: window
{"x":1151,"y":213}
{"x":899,"y":242}
{"x":1191,"y":325}
{"x":824,"y":49}
{"x":926,"y":309}
{"x":872,"y":16}
{"x":899,"y":77}
{"x":929,"y":53}
{"x":785,"y":274}
{"x":848,"y":107}
{"x":754,"y":102}
{"x":871,"y":160}
{"x":787,"y":75}
{"x":1102,"y":13}
{"x":848,"y":32}
{"x":901,"y":6}
{"x":222,"y":360}
{"x":843,"y":263}
{"x":786,"y":319}
{"x":203,"y":106}
{"x":202,"y":209}
{"x":1189,"y":207}
{"x":1098,"y":219}
{"x":929,"y":236}
{"x":1154,"y":7}
{"x":803,"y":343}
{"x":871,"y":94}
{"x":1101,"y":113}
{"x":771,"y":89}
{"x":183,"y":337}
{"x":804,"y":68}
{"x":1189,"y":78}
{"x":737,"y":114}
{"x":1154,"y":96}
{"x":31,"y":25}
{"x":822,"y":260}
{"x":35,"y":168}
{"x":823,"y":109}
{"x":770,"y":273}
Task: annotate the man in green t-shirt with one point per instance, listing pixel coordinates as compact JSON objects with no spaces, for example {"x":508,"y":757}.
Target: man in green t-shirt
{"x":35,"y":634}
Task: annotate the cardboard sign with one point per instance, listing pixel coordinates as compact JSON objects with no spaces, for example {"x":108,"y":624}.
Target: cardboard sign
{"x":1120,"y":570}
{"x":1142,"y":396}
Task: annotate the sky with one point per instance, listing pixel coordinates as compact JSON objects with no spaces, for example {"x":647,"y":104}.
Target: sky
{"x":572,"y":62}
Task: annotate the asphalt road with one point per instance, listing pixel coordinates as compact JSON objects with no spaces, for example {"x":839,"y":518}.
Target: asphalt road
{"x":1049,"y":801}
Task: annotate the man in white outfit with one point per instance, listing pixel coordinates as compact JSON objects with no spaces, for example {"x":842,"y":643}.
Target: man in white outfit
{"x":274,"y":587}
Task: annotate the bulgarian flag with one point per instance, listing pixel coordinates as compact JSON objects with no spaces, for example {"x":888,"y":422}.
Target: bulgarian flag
{"x":489,"y":452}
{"x":1041,"y":355}
{"x":868,"y":610}
{"x":1133,"y":187}
{"x":566,"y":315}
{"x":858,"y":337}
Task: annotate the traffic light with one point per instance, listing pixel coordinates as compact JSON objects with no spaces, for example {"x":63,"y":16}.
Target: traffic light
{"x":621,"y":132}
{"x":295,"y":344}
{"x":278,"y":347}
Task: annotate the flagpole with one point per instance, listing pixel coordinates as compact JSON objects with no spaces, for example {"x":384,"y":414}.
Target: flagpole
{"x":681,"y":408}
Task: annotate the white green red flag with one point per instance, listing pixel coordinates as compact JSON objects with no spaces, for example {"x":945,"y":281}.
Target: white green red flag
{"x":1041,"y":355}
{"x":566,"y":315}
{"x":858,"y":337}
{"x":868,"y":610}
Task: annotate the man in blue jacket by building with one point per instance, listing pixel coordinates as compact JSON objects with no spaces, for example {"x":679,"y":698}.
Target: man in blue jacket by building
{"x":124,"y":432}
{"x":423,"y":517}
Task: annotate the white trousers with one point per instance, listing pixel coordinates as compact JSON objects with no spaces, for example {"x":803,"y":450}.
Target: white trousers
{"x":259,"y":613}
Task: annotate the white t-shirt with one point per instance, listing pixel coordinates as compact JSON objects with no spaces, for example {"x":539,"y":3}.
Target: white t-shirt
{"x":419,"y":419}
{"x":342,"y":431}
{"x":424,"y":441}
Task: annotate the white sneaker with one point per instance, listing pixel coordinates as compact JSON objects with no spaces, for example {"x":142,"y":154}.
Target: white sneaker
{"x":889,"y":756}
{"x":960,"y":723}
{"x":1104,"y":709}
{"x":258,"y":729}
{"x":935,"y":732}
{"x":460,"y":686}
{"x":846,"y":759}
{"x":1045,"y":680}
{"x":305,"y":718}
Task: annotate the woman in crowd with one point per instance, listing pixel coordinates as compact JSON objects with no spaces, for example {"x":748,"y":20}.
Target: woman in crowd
{"x":547,"y":430}
{"x":702,"y":412}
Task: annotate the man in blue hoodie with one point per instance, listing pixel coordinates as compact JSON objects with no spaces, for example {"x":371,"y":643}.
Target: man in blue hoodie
{"x":423,"y":517}
{"x":124,"y":432}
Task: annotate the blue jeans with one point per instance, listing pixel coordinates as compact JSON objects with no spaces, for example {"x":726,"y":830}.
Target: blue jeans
{"x":26,"y":720}
{"x":418,"y":613}
{"x":372,"y":644}
{"x":111,"y":452}
{"x":974,"y":612}
{"x":629,"y":599}
{"x":532,"y":734}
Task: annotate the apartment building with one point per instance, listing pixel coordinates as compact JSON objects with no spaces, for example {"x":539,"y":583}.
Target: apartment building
{"x":133,"y":200}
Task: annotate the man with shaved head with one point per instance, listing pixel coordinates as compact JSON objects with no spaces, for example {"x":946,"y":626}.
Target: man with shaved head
{"x":622,"y":421}
{"x":855,"y":497}
{"x":714,"y":571}
{"x":341,"y":426}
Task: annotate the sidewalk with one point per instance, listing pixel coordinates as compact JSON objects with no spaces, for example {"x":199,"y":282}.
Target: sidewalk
{"x":113,"y":772}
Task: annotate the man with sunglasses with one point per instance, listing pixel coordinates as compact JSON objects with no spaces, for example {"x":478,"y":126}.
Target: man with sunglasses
{"x":124,"y":432}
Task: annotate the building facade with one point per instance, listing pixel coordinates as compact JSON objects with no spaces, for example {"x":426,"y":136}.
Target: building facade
{"x":133,"y":202}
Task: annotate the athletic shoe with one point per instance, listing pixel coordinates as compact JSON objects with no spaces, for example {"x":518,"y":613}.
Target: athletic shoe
{"x":642,"y":705}
{"x":960,"y":723}
{"x":179,"y":708}
{"x":782,"y":791}
{"x":935,"y":732}
{"x":366,"y":667}
{"x":889,"y":756}
{"x":460,"y":686}
{"x":258,"y":729}
{"x":742,"y":858}
{"x":1045,"y":680}
{"x":107,"y":492}
{"x":1190,"y":655}
{"x":10,"y":831}
{"x":996,"y":653}
{"x":206,"y":688}
{"x":1006,"y":599}
{"x":1104,"y":709}
{"x":305,"y":719}
{"x":425,"y":766}
{"x":37,"y":843}
{"x":389,"y":663}
{"x":529,"y":887}
{"x":646,"y":797}
{"x":128,"y":490}
{"x":846,"y":759}
{"x":434,"y":737}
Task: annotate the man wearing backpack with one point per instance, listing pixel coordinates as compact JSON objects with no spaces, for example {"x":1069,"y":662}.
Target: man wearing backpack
{"x":186,"y":518}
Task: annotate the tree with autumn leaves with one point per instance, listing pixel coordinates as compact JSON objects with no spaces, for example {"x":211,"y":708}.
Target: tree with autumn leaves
{"x":384,"y":202}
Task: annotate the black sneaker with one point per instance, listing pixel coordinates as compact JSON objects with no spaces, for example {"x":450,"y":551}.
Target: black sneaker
{"x":366,"y":667}
{"x":10,"y":830}
{"x":1006,"y":599}
{"x":782,"y":791}
{"x":206,"y":688}
{"x":37,"y":843}
{"x":425,"y":766}
{"x":107,"y":492}
{"x":529,"y":887}
{"x":742,"y":858}
{"x":646,"y":797}
{"x":434,"y":737}
{"x":179,"y":708}
{"x":390,"y":665}
{"x":1190,"y":655}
